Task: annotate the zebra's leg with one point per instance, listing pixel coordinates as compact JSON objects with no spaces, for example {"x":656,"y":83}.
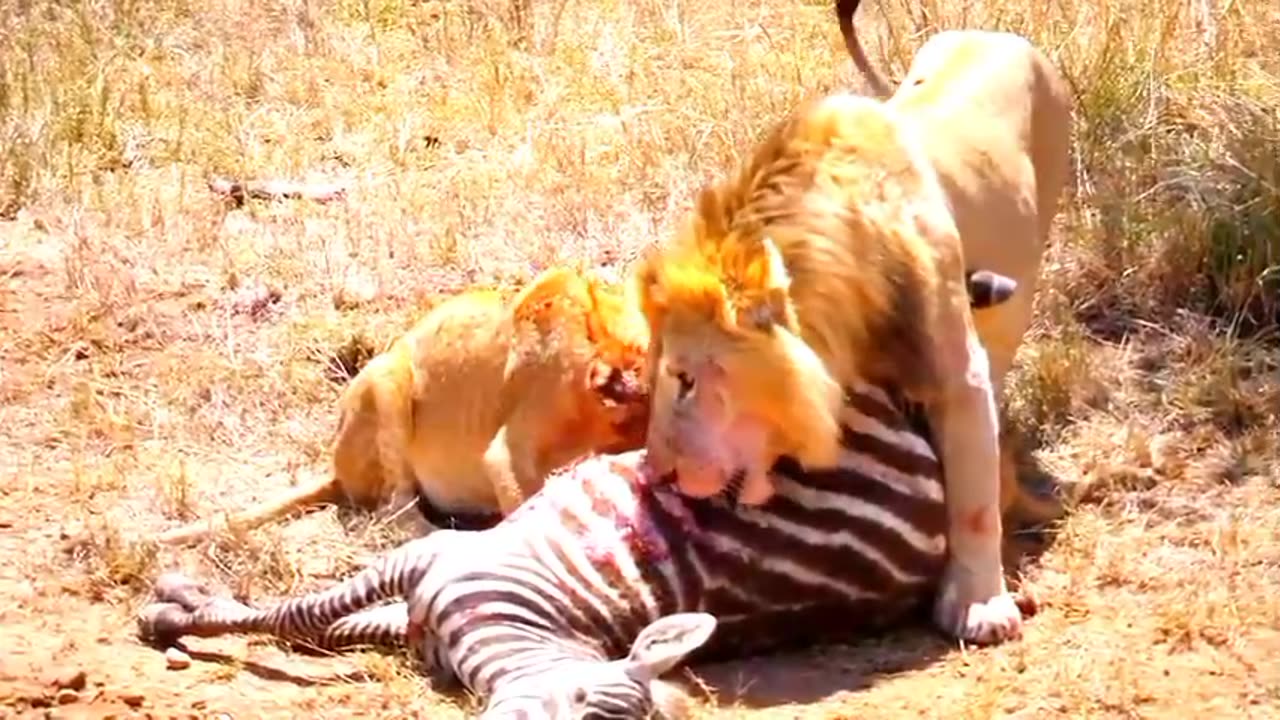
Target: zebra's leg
{"x":384,"y":626}
{"x":381,"y":626}
{"x":166,"y":622}
{"x":306,"y":617}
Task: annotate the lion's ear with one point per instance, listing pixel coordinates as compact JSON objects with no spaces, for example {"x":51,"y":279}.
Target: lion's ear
{"x":592,"y":316}
{"x":615,"y":385}
{"x":646,"y":287}
{"x":776,"y":275}
{"x":643,"y":278}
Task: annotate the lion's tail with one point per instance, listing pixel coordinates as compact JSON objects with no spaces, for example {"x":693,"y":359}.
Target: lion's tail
{"x":325,"y":491}
{"x":844,"y":14}
{"x":1029,"y":508}
{"x":1018,"y":501}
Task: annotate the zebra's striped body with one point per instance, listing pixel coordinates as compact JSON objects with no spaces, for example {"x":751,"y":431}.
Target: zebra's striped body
{"x":531,"y":612}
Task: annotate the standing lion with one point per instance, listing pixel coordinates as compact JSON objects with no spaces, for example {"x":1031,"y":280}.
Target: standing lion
{"x":838,"y":251}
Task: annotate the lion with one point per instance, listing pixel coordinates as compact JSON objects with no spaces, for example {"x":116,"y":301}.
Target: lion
{"x":993,"y":117}
{"x":836,"y":252}
{"x":475,"y":405}
{"x":830,"y":255}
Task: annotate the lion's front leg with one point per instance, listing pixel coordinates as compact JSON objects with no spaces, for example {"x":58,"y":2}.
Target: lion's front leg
{"x":502,"y":463}
{"x":973,"y":603}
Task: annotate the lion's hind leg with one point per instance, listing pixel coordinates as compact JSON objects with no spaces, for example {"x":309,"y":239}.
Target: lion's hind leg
{"x":370,"y":444}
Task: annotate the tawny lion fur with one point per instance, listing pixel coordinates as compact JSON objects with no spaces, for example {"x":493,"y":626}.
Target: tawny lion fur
{"x":478,"y":402}
{"x":993,"y":118}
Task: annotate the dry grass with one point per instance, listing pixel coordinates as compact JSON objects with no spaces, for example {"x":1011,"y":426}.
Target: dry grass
{"x":167,"y":356}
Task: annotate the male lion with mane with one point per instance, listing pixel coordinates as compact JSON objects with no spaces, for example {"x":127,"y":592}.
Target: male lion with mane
{"x":837,"y":251}
{"x":830,"y":255}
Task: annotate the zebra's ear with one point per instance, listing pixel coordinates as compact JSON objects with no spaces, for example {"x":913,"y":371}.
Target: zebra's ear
{"x":665,"y":642}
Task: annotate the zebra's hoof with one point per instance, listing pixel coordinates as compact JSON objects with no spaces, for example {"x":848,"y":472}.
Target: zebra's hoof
{"x":161,"y":623}
{"x":172,"y":587}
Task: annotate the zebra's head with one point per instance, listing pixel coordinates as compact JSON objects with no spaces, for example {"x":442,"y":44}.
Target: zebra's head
{"x":626,"y":689}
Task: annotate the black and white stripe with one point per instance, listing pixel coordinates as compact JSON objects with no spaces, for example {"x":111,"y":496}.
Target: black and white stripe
{"x":539,"y":614}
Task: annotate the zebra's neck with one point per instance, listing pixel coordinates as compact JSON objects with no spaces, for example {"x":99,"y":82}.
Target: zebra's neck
{"x":507,"y":655}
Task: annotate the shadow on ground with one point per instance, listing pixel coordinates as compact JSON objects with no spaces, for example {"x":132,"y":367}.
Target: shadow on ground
{"x":813,"y":674}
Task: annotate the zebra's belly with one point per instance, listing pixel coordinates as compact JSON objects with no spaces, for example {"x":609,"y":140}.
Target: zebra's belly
{"x":827,"y":558}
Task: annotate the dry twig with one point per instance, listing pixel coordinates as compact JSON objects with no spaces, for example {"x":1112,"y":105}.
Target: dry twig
{"x":276,"y":190}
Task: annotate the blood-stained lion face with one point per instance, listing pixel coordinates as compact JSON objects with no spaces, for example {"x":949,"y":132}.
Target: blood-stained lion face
{"x":734,"y":387}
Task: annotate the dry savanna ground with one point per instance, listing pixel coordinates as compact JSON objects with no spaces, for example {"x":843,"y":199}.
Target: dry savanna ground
{"x":167,"y":354}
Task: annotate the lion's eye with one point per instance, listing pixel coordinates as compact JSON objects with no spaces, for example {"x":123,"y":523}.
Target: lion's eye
{"x":686,"y":384}
{"x":579,"y":696}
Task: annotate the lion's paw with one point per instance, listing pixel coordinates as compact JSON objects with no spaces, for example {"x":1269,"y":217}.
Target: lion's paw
{"x":979,"y":618}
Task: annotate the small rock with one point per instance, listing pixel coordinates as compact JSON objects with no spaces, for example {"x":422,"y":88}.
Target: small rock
{"x":70,"y":680}
{"x":175,"y":659}
{"x":131,"y":698}
{"x":66,"y":696}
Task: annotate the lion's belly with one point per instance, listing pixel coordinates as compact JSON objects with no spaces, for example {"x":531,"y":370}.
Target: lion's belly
{"x":993,"y":201}
{"x":994,"y":122}
{"x":991,"y":188}
{"x":453,"y":475}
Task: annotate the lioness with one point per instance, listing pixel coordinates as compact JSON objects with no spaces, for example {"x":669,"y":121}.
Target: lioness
{"x":993,"y":117}
{"x":480,"y":400}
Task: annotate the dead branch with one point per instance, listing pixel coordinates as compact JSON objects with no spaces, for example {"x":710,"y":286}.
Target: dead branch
{"x":238,"y":191}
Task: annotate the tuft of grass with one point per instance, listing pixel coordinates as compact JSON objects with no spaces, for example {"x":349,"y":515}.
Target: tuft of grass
{"x":176,"y":493}
{"x":1059,"y":378}
{"x":346,"y":361}
{"x":110,"y":561}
